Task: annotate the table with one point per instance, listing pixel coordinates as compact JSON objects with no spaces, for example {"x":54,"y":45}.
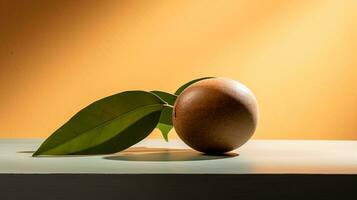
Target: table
{"x":154,"y":168}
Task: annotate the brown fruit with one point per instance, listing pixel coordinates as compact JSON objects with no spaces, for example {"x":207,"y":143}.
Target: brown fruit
{"x":215,"y":115}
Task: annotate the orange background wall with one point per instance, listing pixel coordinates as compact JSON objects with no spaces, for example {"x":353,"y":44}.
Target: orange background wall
{"x":298,"y":56}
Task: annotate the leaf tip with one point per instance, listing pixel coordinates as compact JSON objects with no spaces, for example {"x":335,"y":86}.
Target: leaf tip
{"x":35,"y":154}
{"x":166,"y":137}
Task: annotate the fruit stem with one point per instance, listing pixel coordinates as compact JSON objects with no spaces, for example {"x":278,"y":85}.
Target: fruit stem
{"x":168,"y":105}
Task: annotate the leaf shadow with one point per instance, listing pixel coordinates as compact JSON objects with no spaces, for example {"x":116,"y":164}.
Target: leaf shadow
{"x":164,"y":154}
{"x":57,"y":156}
{"x":26,"y":152}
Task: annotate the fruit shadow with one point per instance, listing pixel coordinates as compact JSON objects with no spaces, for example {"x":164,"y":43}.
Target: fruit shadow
{"x":164,"y":154}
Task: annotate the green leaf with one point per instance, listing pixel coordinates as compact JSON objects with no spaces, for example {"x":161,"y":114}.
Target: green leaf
{"x":167,"y":97}
{"x":109,"y":125}
{"x":166,"y":115}
{"x":183,"y":87}
{"x":165,"y":129}
{"x":165,"y":122}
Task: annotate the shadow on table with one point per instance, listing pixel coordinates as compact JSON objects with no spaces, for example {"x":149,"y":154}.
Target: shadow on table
{"x":152,"y":154}
{"x":57,"y":156}
{"x":26,"y":152}
{"x":164,"y":154}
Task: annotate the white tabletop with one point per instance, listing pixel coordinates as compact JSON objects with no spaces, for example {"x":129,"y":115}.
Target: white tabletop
{"x":159,"y":157}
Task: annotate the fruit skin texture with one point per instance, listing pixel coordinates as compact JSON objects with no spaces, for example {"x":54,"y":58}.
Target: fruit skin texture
{"x":215,"y":115}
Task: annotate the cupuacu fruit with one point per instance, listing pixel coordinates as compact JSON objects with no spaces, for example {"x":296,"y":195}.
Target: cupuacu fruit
{"x":215,"y":115}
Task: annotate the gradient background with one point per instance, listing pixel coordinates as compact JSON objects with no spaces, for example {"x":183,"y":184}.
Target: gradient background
{"x":298,"y":56}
